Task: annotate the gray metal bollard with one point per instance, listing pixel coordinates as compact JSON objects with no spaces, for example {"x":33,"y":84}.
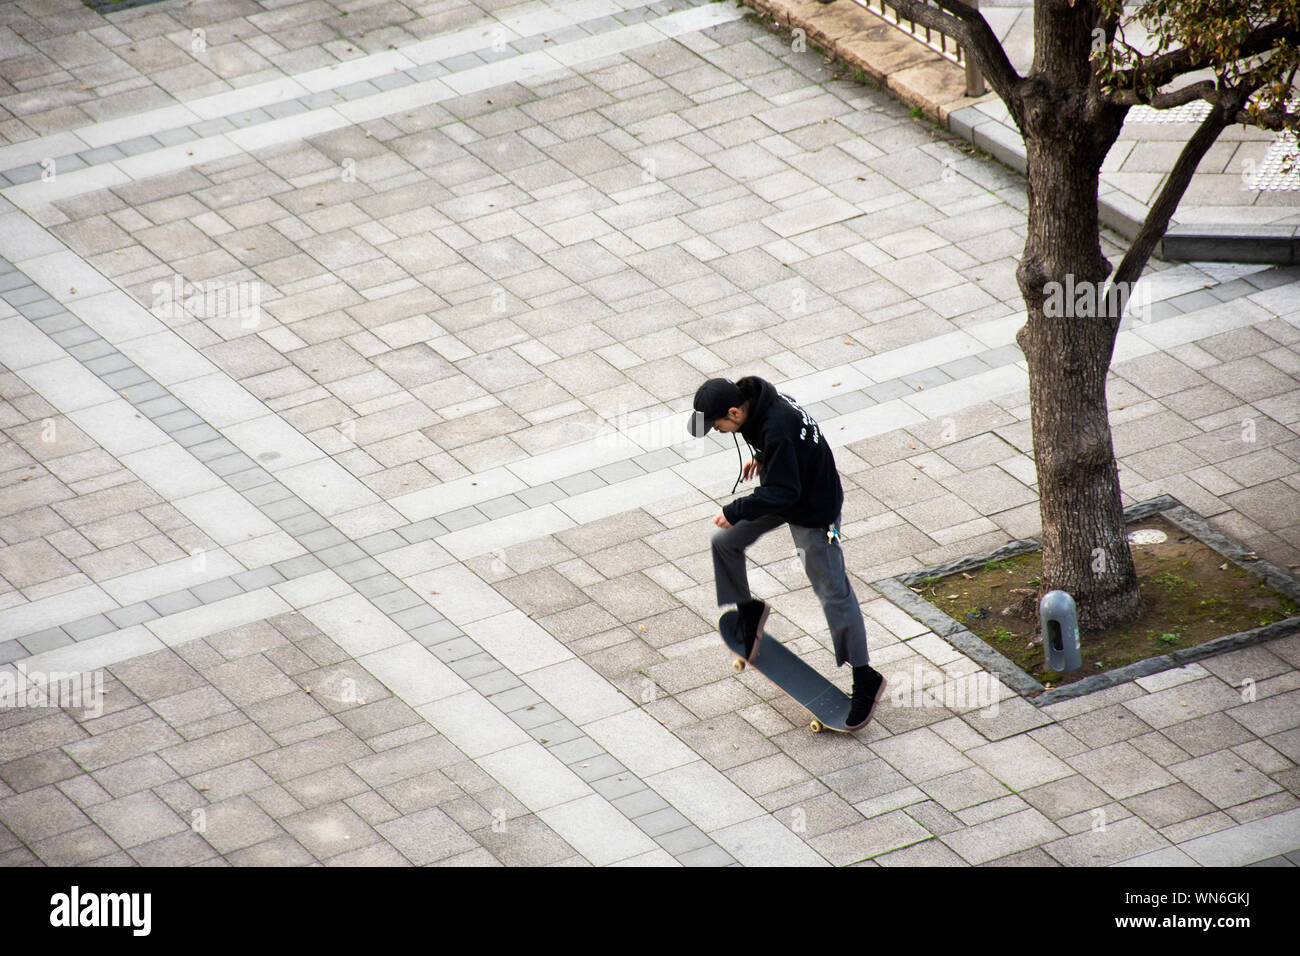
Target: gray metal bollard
{"x":1060,"y":620}
{"x":975,"y":85}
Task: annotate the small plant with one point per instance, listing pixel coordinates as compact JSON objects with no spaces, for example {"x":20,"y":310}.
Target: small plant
{"x":1168,"y":581}
{"x":1168,"y":638}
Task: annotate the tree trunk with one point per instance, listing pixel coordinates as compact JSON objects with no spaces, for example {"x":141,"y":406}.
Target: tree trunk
{"x":1069,"y":337}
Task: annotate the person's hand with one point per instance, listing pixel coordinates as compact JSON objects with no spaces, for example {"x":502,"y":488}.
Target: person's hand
{"x":750,"y":467}
{"x":721,"y":520}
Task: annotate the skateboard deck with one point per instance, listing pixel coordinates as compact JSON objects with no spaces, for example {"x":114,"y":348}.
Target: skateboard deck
{"x":810,"y":690}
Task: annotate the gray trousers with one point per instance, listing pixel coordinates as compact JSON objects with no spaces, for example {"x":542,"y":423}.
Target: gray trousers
{"x":824,"y":563}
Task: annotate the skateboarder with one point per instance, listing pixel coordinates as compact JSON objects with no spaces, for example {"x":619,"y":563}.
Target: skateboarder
{"x":799,"y":486}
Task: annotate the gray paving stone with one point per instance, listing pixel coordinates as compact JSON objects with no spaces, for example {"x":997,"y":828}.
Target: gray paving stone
{"x":136,"y":819}
{"x":249,"y":480}
{"x":422,"y":530}
{"x":299,"y":567}
{"x":577,"y":484}
{"x":90,"y":350}
{"x":411,"y":618}
{"x":170,"y":137}
{"x":174,"y":603}
{"x":203,"y":440}
{"x":215,"y":590}
{"x":705,"y":856}
{"x":556,"y":732}
{"x":99,"y":357}
{"x":212,"y":127}
{"x":501,"y":507}
{"x":381,"y":543}
{"x":145,"y":144}
{"x":396,"y":601}
{"x":126,"y":379}
{"x":41,"y":813}
{"x":888,"y":391}
{"x":266,"y":493}
{"x":227,"y":466}
{"x":437,"y":636}
{"x":462,"y":518}
{"x":14,"y":650}
{"x":234,"y":824}
{"x":426,"y":837}
{"x":38,"y":643}
{"x":313,"y":531}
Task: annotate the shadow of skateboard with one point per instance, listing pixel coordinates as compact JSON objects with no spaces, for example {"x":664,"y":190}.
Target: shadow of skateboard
{"x":810,"y":690}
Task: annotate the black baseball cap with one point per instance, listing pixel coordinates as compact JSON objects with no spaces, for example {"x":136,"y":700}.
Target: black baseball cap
{"x":712,"y":400}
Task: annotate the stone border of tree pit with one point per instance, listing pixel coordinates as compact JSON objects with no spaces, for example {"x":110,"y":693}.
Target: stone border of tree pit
{"x":899,"y":590}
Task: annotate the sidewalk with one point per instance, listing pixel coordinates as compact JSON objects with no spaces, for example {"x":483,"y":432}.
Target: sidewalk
{"x":1240,"y":206}
{"x":343,"y":413}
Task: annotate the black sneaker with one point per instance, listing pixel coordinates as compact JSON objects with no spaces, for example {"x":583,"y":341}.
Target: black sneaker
{"x":753,"y":615}
{"x":868,"y":687}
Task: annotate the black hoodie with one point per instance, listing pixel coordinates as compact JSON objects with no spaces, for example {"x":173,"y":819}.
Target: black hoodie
{"x":797,"y":475}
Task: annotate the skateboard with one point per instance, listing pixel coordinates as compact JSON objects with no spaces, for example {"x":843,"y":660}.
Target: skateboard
{"x":814,"y":693}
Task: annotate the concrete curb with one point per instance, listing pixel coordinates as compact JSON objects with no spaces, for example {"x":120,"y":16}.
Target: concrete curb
{"x":924,"y":80}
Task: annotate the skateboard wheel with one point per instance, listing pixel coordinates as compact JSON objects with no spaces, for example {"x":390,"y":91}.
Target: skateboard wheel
{"x":816,"y":726}
{"x":738,"y":664}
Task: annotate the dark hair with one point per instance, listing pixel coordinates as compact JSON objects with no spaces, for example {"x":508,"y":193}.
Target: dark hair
{"x":749,"y":387}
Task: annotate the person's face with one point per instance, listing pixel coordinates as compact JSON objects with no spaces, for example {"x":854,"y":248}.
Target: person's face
{"x":733,"y":422}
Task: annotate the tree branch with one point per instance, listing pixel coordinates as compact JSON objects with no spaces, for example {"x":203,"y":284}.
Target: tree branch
{"x":968,"y":27}
{"x":1268,"y":119}
{"x":1157,"y":221}
{"x":1164,"y":101}
{"x":1168,"y":66}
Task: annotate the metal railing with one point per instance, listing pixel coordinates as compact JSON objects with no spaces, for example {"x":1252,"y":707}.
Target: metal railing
{"x":939,"y":42}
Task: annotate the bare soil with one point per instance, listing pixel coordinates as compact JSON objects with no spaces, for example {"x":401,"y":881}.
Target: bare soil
{"x":1190,"y":595}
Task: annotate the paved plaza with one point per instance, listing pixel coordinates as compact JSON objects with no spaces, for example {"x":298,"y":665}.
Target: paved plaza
{"x":347,"y":353}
